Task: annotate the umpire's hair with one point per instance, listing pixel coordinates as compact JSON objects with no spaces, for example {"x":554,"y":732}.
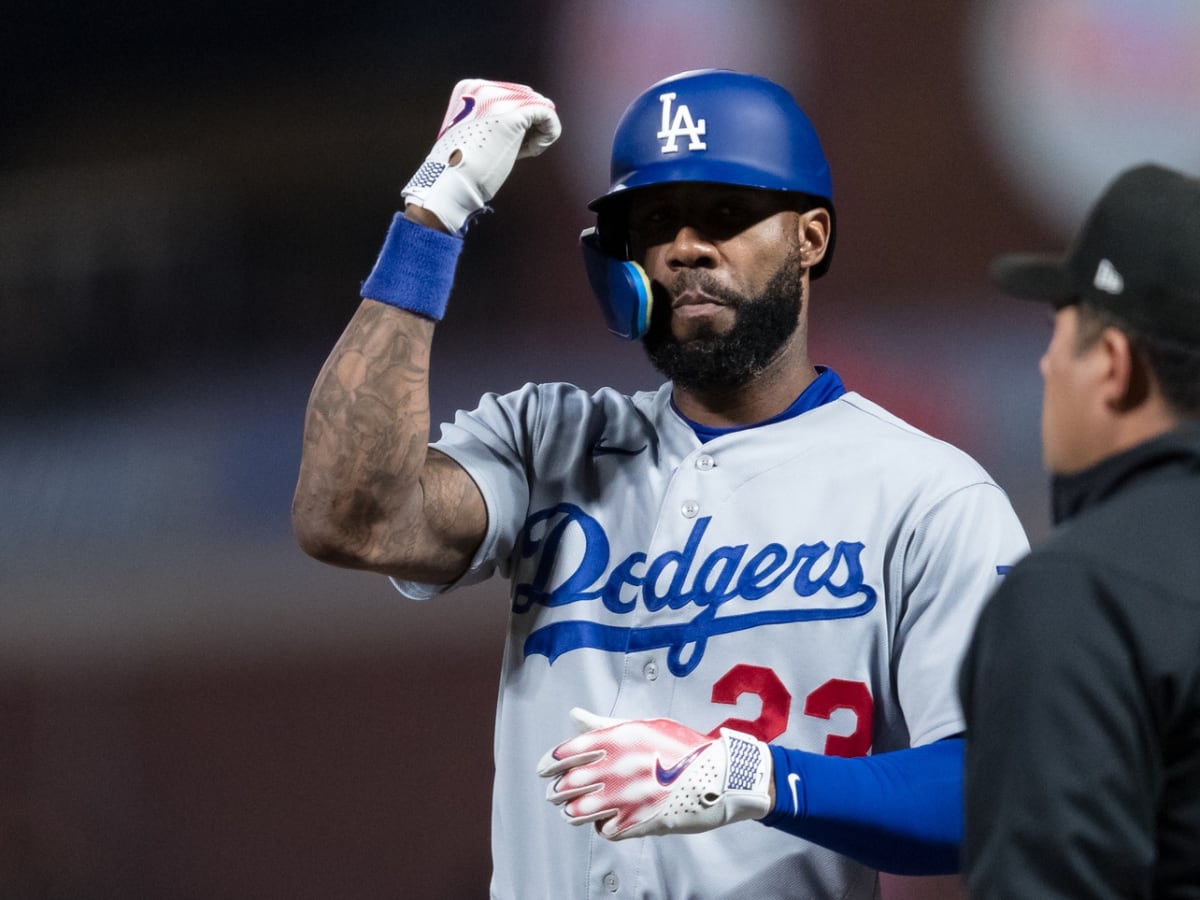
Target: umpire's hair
{"x":1174,"y":364}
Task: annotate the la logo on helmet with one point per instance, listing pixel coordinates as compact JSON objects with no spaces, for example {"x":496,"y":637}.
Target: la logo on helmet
{"x":681,"y":124}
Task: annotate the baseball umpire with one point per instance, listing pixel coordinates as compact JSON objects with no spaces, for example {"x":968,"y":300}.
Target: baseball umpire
{"x":1082,"y":685}
{"x":748,"y":589}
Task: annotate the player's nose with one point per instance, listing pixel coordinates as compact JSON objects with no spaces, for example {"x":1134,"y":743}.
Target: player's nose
{"x":691,"y":248}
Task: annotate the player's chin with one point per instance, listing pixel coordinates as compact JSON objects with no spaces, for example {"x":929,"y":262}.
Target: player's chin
{"x":688,"y":324}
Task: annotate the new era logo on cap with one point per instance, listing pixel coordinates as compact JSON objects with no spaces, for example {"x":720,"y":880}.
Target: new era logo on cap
{"x":1108,"y":279}
{"x":1135,"y":255}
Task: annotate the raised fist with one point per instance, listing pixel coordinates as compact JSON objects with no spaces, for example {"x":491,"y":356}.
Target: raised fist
{"x":489,"y":125}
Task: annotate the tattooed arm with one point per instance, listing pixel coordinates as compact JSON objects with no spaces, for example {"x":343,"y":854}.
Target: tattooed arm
{"x":370,"y":494}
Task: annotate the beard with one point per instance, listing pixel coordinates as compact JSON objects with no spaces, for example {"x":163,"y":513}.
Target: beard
{"x":709,"y":360}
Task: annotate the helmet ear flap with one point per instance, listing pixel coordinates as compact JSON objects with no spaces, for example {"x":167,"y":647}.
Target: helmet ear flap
{"x":621,"y":286}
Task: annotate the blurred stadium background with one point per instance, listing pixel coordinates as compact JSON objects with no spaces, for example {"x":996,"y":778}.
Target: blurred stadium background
{"x":189,"y":197}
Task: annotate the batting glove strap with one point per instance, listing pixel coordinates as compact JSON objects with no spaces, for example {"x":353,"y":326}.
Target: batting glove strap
{"x":647,"y":777}
{"x":415,"y":269}
{"x":728,"y":783}
{"x":488,"y":126}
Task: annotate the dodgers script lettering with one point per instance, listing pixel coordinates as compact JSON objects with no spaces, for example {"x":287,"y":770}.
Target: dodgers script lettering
{"x":674,"y":580}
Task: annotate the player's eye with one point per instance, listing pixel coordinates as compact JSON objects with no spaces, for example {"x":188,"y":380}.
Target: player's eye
{"x":737,"y":215}
{"x":725,"y":219}
{"x":655,"y":224}
{"x":647,"y":215}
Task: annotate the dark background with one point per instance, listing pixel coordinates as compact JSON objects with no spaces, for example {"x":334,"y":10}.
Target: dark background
{"x":189,"y":198}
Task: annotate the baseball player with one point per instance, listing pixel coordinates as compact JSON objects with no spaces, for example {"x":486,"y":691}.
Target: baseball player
{"x":747,"y":589}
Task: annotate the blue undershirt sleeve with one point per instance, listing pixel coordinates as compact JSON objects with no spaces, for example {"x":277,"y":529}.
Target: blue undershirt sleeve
{"x":899,"y":812}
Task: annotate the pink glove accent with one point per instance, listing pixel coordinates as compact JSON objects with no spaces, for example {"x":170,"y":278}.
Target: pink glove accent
{"x":656,"y":776}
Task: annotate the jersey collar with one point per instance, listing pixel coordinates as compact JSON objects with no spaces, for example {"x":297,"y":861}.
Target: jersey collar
{"x":825,"y":388}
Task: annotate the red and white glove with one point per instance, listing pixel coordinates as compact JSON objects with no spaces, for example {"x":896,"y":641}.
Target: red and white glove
{"x":489,"y":125}
{"x":655,"y":776}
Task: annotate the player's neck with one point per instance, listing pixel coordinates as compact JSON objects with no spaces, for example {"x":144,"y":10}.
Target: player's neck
{"x":765,"y":396}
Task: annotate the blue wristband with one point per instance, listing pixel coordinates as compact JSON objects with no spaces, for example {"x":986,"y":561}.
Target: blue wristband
{"x":415,"y":268}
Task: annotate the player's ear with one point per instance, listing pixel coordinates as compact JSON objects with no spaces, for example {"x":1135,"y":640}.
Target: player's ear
{"x":814,"y":227}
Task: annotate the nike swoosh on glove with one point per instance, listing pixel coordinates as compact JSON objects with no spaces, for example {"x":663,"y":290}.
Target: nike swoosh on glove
{"x":488,"y":126}
{"x":656,"y":776}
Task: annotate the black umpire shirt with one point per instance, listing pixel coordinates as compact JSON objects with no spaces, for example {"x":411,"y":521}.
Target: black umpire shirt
{"x":1081,"y":690}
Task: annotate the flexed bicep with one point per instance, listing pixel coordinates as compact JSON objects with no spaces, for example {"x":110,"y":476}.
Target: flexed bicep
{"x":371,"y":494}
{"x":455,"y":522}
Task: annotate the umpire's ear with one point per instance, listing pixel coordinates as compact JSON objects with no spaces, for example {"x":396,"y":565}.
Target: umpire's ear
{"x":1126,"y":377}
{"x":816,"y":226}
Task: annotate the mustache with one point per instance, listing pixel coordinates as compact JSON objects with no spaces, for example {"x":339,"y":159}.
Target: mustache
{"x":700,"y":282}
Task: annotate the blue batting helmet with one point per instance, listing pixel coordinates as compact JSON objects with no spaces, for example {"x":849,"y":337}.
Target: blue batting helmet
{"x":710,"y":126}
{"x":717,"y":126}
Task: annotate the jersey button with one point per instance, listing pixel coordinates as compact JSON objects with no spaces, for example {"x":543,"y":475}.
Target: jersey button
{"x":650,"y":670}
{"x":705,"y":462}
{"x":690,"y":509}
{"x":612,"y":883}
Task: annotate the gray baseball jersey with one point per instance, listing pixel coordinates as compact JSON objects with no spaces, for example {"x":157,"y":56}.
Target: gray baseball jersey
{"x":811,"y":581}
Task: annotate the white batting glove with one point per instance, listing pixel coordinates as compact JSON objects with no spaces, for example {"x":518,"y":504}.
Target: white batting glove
{"x":489,"y":125}
{"x":655,"y":776}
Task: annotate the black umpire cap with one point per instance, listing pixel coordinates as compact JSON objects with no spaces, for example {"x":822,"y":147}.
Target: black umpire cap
{"x":1136,"y":256}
